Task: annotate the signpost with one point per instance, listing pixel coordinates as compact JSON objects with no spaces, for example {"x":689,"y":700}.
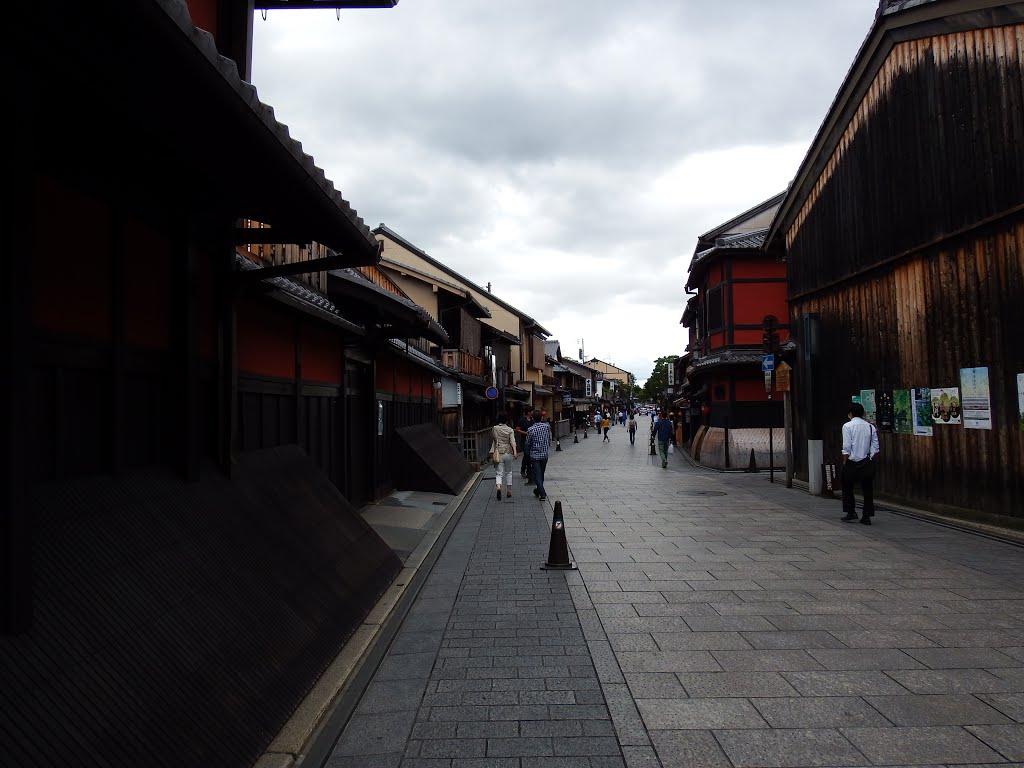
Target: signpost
{"x":492,"y":393}
{"x":782,"y":385}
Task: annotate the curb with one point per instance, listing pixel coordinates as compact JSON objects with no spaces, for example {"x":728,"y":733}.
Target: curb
{"x":308,"y":736}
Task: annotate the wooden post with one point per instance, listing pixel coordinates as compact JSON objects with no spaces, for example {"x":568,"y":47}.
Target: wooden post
{"x":16,"y":395}
{"x":788,"y":414}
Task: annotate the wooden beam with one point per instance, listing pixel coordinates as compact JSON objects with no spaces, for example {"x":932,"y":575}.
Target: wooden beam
{"x":16,"y":398}
{"x":337,"y":261}
{"x":185,"y":426}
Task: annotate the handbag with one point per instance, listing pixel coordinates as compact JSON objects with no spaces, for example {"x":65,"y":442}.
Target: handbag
{"x":495,"y":454}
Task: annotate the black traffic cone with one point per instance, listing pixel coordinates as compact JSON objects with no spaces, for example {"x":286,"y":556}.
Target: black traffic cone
{"x":558,"y":552}
{"x":653,"y":452}
{"x":584,"y":434}
{"x":575,"y":438}
{"x":752,"y":466}
{"x":558,"y":445}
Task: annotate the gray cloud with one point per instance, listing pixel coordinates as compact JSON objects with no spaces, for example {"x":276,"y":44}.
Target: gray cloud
{"x":570,"y":152}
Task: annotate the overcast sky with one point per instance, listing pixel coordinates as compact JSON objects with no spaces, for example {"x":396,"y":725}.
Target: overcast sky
{"x":569,"y":152}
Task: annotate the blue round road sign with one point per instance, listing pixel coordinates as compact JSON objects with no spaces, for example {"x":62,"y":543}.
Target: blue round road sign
{"x":491,"y":392}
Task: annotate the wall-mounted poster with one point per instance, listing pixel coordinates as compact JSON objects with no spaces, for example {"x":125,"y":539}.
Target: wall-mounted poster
{"x":1020,"y":400}
{"x":974,"y":398}
{"x":922,"y":398}
{"x":884,"y":411}
{"x":946,"y":406}
{"x":867,"y":399}
{"x":902,"y":412}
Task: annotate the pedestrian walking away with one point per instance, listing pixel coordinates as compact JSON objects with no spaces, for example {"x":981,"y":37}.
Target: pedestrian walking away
{"x":860,"y":446}
{"x":662,"y":431}
{"x":503,"y":438}
{"x":522,"y":425}
{"x":538,"y":443}
{"x":631,"y":426}
{"x":604,"y":425}
{"x":597,"y":422}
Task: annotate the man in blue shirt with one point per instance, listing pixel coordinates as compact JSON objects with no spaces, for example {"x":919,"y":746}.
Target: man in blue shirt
{"x":538,"y":443}
{"x":663,"y":433}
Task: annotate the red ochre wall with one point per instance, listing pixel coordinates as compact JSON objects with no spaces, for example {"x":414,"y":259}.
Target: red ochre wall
{"x":147,"y":271}
{"x":400,"y":377}
{"x":266,"y":341}
{"x":204,"y":14}
{"x":321,"y":355}
{"x":751,"y":389}
{"x":71,"y":279}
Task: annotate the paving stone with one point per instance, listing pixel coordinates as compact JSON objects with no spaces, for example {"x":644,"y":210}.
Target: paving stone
{"x":786,"y":748}
{"x":376,"y":734}
{"x":667,"y":661}
{"x":655,"y":685}
{"x":864,"y":683}
{"x":936,"y":710}
{"x":950,"y":681}
{"x":791,"y":640}
{"x":881,"y":638}
{"x":962,"y":658}
{"x":737,"y":684}
{"x":1008,"y":740}
{"x":1010,"y":704}
{"x":520,"y":747}
{"x":818,"y":712}
{"x":942,"y":745}
{"x":699,"y":714}
{"x":392,"y":696}
{"x":452,"y":748}
{"x":689,"y":748}
{"x":640,"y":757}
{"x":766,"y":661}
{"x":864,"y":659}
{"x":962,"y":638}
{"x":698,"y":641}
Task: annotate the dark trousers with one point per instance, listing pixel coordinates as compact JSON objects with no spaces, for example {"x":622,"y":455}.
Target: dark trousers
{"x":632,"y":436}
{"x":539,"y":465}
{"x":862,"y":472}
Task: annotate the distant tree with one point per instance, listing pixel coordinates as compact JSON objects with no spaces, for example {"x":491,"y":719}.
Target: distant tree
{"x":654,"y":389}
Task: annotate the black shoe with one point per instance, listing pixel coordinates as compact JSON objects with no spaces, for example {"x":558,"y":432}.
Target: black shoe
{"x":536,"y":492}
{"x":848,"y":518}
{"x":499,"y":494}
{"x":542,"y":497}
{"x":866,"y":520}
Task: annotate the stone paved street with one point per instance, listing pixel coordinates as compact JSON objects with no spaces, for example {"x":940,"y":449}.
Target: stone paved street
{"x":715,"y":620}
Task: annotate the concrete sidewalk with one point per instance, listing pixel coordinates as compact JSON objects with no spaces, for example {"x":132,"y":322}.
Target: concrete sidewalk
{"x":715,"y":620}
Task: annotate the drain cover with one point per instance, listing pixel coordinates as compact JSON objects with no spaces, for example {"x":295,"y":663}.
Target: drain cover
{"x":702,"y":493}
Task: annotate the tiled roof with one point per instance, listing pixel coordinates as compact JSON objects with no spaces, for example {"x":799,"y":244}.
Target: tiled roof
{"x":727,"y":357}
{"x":302,"y":297}
{"x":744,"y":240}
{"x":885,"y":7}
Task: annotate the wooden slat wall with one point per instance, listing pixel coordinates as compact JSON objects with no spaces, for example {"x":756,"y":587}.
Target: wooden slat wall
{"x":917,"y":325}
{"x":910,"y":248}
{"x":933,"y":149}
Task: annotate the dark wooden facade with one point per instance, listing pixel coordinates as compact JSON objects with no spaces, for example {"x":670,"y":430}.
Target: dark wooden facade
{"x":175,"y":573}
{"x":904,"y":235}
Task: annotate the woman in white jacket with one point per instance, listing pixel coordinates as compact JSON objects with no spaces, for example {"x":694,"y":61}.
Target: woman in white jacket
{"x":504,"y":441}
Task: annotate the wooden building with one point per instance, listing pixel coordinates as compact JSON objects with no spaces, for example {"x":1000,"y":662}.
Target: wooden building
{"x":737,"y":286}
{"x":500,"y":343}
{"x":190,"y":384}
{"x":904,"y":236}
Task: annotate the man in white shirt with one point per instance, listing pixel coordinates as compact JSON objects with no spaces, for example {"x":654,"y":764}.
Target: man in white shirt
{"x":860,"y":447}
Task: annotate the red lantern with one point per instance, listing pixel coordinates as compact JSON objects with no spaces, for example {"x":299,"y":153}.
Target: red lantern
{"x":705,"y":409}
